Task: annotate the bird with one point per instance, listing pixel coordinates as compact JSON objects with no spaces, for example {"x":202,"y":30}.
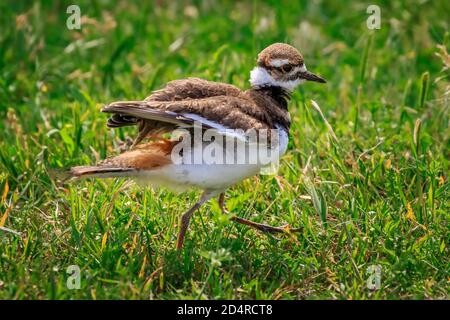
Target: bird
{"x":193,"y":105}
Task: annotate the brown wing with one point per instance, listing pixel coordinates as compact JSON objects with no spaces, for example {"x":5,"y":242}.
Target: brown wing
{"x":177,"y":90}
{"x":193,"y":88}
{"x":212,"y":112}
{"x":155,"y":118}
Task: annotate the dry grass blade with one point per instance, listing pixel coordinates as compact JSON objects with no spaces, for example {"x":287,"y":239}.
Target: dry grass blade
{"x":330,"y":129}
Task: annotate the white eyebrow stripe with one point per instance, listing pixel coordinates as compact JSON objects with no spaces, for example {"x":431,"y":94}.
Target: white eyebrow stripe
{"x":278,"y":62}
{"x":301,"y":68}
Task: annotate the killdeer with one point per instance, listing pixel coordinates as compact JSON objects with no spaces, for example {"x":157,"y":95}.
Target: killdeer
{"x":191,"y":103}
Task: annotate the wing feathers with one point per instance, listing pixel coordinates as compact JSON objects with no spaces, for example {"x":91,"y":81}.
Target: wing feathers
{"x":193,"y":88}
{"x":184,"y":103}
{"x":119,"y":120}
{"x":145,"y":110}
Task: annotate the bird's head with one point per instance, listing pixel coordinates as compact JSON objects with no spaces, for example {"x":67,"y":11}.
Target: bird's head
{"x":281,"y":65}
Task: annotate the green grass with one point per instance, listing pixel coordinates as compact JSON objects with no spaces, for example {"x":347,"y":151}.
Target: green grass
{"x":377,"y":195}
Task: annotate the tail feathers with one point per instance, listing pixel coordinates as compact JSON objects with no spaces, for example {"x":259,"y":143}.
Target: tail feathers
{"x":98,"y":171}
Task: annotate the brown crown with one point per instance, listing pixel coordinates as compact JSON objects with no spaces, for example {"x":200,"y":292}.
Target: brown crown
{"x":280,"y":51}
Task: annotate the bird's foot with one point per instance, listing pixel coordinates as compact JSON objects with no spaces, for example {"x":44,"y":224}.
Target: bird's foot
{"x":259,"y":226}
{"x":265,"y":227}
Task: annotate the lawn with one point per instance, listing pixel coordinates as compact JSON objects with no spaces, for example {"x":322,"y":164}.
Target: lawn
{"x":366,"y":175}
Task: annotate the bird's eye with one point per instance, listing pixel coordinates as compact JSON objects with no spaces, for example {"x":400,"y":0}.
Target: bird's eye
{"x":286,"y":68}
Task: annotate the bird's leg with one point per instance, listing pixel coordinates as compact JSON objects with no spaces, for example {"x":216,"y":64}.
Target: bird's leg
{"x":260,"y":226}
{"x":186,"y":217}
{"x":221,"y":201}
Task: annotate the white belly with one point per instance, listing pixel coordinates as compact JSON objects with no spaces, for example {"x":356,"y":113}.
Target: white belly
{"x":210,"y":177}
{"x":196,"y":170}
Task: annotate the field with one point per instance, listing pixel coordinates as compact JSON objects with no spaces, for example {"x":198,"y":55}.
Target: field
{"x":366,"y":175}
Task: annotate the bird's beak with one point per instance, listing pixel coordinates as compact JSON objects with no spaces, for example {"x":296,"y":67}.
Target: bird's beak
{"x":311,"y":77}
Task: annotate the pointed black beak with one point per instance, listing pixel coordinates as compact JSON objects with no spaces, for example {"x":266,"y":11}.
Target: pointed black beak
{"x":311,"y":77}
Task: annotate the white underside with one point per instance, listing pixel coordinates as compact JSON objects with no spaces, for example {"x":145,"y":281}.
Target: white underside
{"x":208,"y":177}
{"x":213,"y":178}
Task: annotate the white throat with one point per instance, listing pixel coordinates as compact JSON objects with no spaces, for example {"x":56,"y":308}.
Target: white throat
{"x":259,"y":77}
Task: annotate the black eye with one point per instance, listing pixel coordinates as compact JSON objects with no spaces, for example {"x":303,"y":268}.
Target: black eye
{"x":286,"y":68}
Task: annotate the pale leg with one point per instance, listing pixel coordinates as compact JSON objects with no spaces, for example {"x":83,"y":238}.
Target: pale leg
{"x":186,"y":218}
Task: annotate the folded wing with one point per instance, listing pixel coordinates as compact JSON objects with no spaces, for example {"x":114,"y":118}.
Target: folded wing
{"x":187,"y":103}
